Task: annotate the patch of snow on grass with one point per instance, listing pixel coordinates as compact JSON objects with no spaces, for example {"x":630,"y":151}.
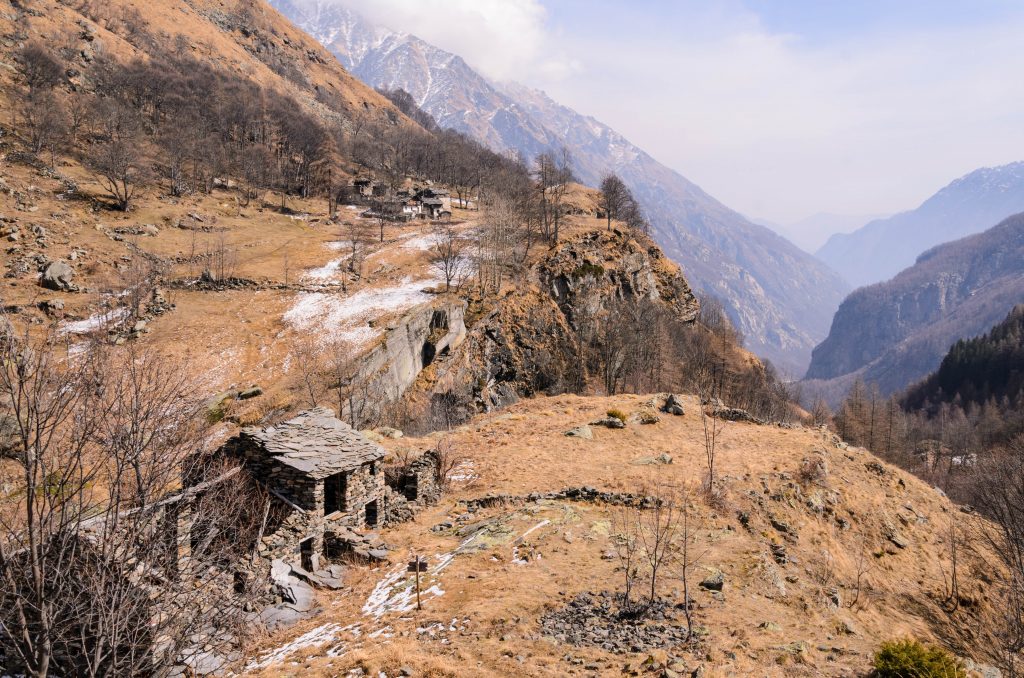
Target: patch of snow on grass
{"x":423,"y":242}
{"x":346,"y":317}
{"x":321,"y":635}
{"x":396,"y":592}
{"x":338,"y":245}
{"x":325,"y":272}
{"x":94,"y":322}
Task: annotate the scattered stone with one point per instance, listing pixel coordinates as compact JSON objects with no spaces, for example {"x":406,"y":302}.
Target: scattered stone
{"x":770,"y":626}
{"x":673,"y":405}
{"x":250,"y":392}
{"x":596,"y":620}
{"x":580,"y":432}
{"x":714,"y":582}
{"x":609,"y":422}
{"x":57,"y":276}
{"x":388,"y":432}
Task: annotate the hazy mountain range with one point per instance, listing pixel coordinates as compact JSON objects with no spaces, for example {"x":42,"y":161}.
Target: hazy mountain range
{"x":894,"y":333}
{"x":781,"y":297}
{"x":884,"y":247}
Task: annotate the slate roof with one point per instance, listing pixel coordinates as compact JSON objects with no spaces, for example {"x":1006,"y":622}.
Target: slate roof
{"x":316,"y":443}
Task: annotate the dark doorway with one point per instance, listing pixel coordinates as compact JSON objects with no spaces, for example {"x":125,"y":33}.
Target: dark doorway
{"x":410,"y":486}
{"x":335,"y":489}
{"x":306,"y":552}
{"x":371,"y":513}
{"x":428,"y":353}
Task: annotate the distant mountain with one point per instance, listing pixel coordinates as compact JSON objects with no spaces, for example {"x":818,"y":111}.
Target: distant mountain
{"x":969,"y":205}
{"x":976,"y":370}
{"x":779,"y":296}
{"x":895,"y":333}
{"x":811,"y":233}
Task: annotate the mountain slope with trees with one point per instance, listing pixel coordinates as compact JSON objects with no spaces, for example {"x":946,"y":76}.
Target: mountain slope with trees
{"x":896,"y":332}
{"x":779,"y":297}
{"x":884,"y":247}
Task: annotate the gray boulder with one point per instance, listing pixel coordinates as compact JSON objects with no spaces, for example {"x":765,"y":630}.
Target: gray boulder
{"x":580,"y":432}
{"x":57,"y":276}
{"x":673,"y":405}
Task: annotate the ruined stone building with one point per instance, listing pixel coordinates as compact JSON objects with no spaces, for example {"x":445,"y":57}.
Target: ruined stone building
{"x":325,"y":477}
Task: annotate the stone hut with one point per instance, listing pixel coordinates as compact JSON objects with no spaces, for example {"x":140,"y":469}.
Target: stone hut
{"x":326,"y":476}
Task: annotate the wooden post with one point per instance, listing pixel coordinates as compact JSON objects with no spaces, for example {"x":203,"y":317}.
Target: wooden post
{"x":417,"y":565}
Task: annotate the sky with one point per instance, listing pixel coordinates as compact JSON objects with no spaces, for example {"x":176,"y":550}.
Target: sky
{"x":781,"y":109}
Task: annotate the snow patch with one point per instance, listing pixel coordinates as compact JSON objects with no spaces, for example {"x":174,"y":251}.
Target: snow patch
{"x":94,"y":322}
{"x":346,"y":317}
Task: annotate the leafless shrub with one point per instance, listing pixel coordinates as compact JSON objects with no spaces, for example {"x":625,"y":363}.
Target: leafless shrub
{"x":449,"y":457}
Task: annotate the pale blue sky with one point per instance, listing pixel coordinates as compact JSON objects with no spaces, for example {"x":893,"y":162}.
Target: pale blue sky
{"x":780,"y":109}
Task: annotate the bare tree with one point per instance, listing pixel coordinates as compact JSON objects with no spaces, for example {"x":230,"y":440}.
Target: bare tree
{"x":117,"y":164}
{"x":91,"y":576}
{"x":689,"y":555}
{"x":614,"y":196}
{"x":446,"y":254}
{"x":626,"y":538}
{"x":448,"y":459}
{"x":340,"y":367}
{"x":710,"y":389}
{"x":308,"y":359}
{"x":659,"y":531}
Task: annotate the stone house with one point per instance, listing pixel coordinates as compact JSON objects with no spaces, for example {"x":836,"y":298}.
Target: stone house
{"x":325,"y":476}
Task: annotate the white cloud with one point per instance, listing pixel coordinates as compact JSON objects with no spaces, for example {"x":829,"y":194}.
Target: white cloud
{"x":502,"y":38}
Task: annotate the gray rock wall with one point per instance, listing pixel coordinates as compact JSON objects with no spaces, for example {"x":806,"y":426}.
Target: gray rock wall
{"x":424,"y":334}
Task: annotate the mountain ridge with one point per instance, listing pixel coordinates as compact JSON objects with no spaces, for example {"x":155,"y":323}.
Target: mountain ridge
{"x":780,"y":297}
{"x":897,"y":332}
{"x":969,"y":204}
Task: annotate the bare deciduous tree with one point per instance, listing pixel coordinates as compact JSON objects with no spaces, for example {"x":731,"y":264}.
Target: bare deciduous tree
{"x":446,"y":255}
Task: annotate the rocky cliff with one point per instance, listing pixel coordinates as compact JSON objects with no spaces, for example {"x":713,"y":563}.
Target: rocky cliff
{"x":896,"y":332}
{"x":528,"y":342}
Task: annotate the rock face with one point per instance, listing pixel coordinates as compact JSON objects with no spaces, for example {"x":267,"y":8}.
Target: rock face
{"x":426,"y":333}
{"x":526,"y":344}
{"x":780,"y":297}
{"x":896,"y":332}
{"x":884,"y":247}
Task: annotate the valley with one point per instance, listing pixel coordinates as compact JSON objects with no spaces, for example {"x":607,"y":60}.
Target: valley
{"x":322,"y":354}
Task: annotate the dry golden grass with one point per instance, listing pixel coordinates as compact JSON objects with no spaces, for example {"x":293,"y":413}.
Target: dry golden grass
{"x":498,"y":602}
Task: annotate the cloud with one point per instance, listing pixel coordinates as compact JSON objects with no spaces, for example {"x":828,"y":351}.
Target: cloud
{"x":502,"y":38}
{"x":852,"y":112}
{"x":779,"y":126}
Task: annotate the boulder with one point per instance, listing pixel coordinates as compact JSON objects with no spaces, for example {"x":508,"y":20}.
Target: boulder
{"x":57,"y":276}
{"x":251,"y":392}
{"x":609,"y":422}
{"x":713,"y":582}
{"x":647,"y":417}
{"x":580,"y":432}
{"x":673,"y":405}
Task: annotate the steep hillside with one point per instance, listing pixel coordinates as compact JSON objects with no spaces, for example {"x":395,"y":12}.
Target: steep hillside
{"x":896,"y":332}
{"x":979,"y":369}
{"x":247,"y":38}
{"x":781,"y":298}
{"x":806,"y":572}
{"x":972,"y":203}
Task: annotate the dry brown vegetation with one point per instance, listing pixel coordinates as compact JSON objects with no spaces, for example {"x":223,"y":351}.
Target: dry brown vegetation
{"x":846,"y":588}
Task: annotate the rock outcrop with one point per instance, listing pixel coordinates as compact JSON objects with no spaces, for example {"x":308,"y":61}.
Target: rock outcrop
{"x":527,"y":343}
{"x":424,"y":334}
